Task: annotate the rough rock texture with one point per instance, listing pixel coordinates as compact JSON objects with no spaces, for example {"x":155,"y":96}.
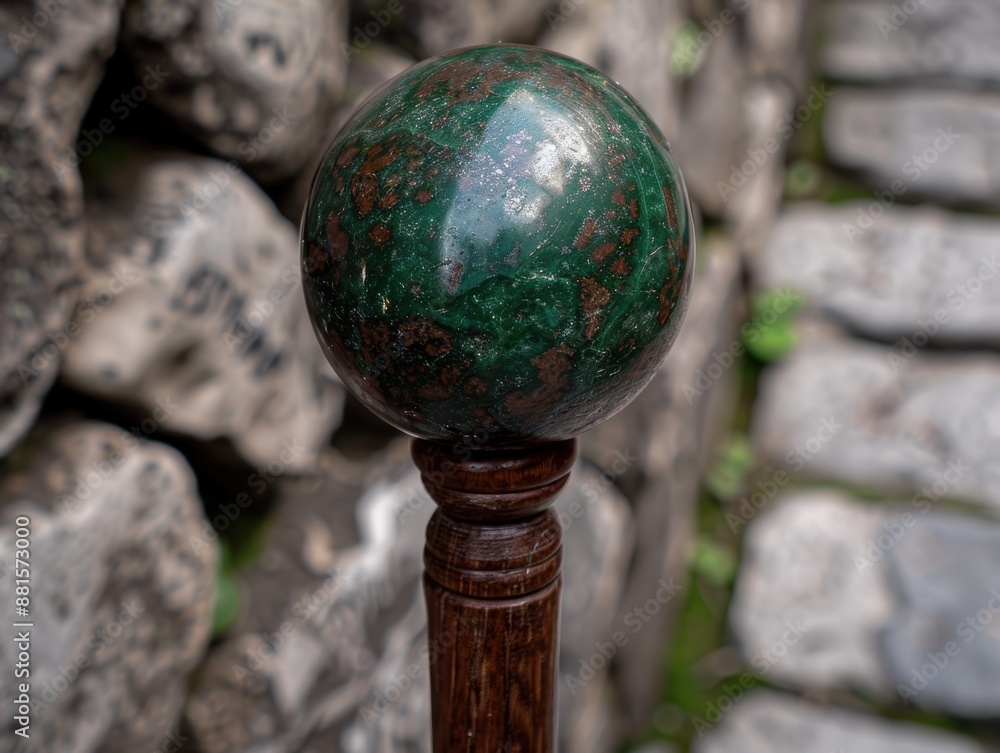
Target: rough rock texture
{"x":947,"y":571}
{"x":938,"y":144}
{"x":878,"y":40}
{"x":121,"y":605}
{"x":630,"y":41}
{"x":893,"y":279}
{"x":48,"y":72}
{"x":798,"y":572}
{"x":598,"y":546}
{"x":338,"y":570}
{"x":779,"y":38}
{"x":711,"y":132}
{"x":886,"y":418}
{"x":441,"y":25}
{"x":752,"y":192}
{"x":776,"y":106}
{"x":667,"y":434}
{"x":898,"y":601}
{"x":347,"y":618}
{"x":768,"y":722}
{"x":255,"y":81}
{"x":746,"y":82}
{"x":200,"y":317}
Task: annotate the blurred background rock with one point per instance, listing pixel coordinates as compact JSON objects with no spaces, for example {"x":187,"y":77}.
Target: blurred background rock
{"x":789,"y":543}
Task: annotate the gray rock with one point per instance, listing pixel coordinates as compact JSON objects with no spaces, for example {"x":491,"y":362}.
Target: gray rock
{"x":740,"y":101}
{"x":881,"y":40}
{"x":338,"y":570}
{"x":742,"y":98}
{"x":442,"y":25}
{"x":778,"y":40}
{"x":206,"y":327}
{"x":405,"y":724}
{"x":947,"y":570}
{"x":655,"y":450}
{"x":752,"y":189}
{"x":884,"y":418}
{"x":255,"y":81}
{"x":892,"y":279}
{"x":327,"y":676}
{"x":897,"y":601}
{"x":50,"y":66}
{"x":598,"y":546}
{"x":769,"y":722}
{"x":919,"y":143}
{"x":712,"y":130}
{"x":630,"y":41}
{"x":775,"y":103}
{"x":121,"y":605}
{"x":25,"y":394}
{"x":802,"y":612}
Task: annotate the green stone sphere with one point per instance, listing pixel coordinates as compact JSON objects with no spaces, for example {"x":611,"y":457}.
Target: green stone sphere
{"x":498,"y":248}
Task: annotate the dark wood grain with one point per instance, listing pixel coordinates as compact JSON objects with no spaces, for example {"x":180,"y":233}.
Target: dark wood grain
{"x":493,"y":579}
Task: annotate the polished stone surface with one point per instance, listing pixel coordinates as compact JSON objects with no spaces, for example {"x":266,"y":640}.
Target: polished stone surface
{"x":498,"y":245}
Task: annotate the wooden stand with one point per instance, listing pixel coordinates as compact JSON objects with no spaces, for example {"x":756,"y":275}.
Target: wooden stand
{"x":493,"y":578}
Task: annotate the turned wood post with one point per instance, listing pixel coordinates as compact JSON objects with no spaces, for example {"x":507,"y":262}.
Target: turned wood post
{"x":496,"y":257}
{"x":493,"y":578}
